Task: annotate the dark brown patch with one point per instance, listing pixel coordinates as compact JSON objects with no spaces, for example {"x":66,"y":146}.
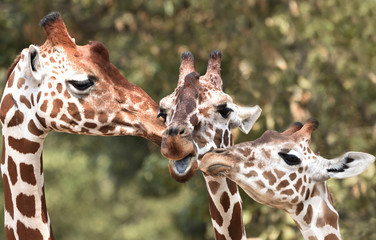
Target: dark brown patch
{"x":38,"y":96}
{"x":315,"y":191}
{"x":59,"y":87}
{"x":299,"y":208}
{"x":23,"y":145}
{"x":194,"y":120}
{"x":288,"y":192}
{"x":56,"y":106}
{"x":295,"y":200}
{"x":44,"y":208}
{"x":9,"y":234}
{"x":67,"y":94}
{"x":3,"y":153}
{"x":298,"y":184}
{"x":26,"y":204}
{"x":27,"y":173}
{"x":17,"y":119}
{"x":282,"y":184}
{"x":218,"y":137}
{"x":74,"y":112}
{"x":219,"y":236}
{"x":103,"y":118}
{"x":8,"y":203}
{"x":251,"y":173}
{"x":312,"y":238}
{"x":225,"y":138}
{"x":41,"y":120}
{"x":32,"y":99}
{"x":213,"y":185}
{"x":280,"y":174}
{"x":235,"y":228}
{"x":28,"y":233}
{"x":245,"y":152}
{"x":43,"y":107}
{"x":225,"y":201}
{"x":34,"y":129}
{"x":25,"y":101}
{"x":231,"y":186}
{"x":307,"y":194}
{"x":20,"y":82}
{"x":328,"y":217}
{"x":303,"y":191}
{"x":331,"y":236}
{"x":268,"y":175}
{"x":11,"y":80}
{"x":106,"y":129}
{"x":12,"y":170}
{"x":90,"y":125}
{"x":308,"y":216}
{"x":6,"y":105}
{"x":300,"y":170}
{"x":214,"y":213}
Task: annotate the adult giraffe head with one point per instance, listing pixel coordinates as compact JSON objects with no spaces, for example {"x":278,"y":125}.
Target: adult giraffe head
{"x":199,"y":117}
{"x":280,"y":170}
{"x":68,"y":88}
{"x":65,"y":87}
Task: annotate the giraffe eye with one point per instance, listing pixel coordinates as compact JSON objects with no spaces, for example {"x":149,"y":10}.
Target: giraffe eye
{"x":81,"y":85}
{"x":224,"y":110}
{"x":162,"y":113}
{"x":290,"y":159}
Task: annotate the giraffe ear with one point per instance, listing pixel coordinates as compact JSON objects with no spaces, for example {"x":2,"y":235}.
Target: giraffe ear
{"x":35,"y":65}
{"x":248,"y":117}
{"x":348,"y":165}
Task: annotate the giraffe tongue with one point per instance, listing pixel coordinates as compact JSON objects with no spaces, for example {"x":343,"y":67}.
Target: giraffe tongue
{"x":182,"y":165}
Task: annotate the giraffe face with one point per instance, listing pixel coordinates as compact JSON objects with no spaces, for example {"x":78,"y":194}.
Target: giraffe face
{"x":280,"y":169}
{"x":199,"y":117}
{"x":76,"y":89}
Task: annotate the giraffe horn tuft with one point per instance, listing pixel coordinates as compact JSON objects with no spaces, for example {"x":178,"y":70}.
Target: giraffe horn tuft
{"x":186,"y":66}
{"x":309,"y":126}
{"x":213,"y":71}
{"x":56,"y":30}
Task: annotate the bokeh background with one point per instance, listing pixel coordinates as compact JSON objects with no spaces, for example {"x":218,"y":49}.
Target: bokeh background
{"x":295,"y":59}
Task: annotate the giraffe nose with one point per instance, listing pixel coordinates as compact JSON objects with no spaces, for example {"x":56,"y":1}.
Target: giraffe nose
{"x":177,"y":131}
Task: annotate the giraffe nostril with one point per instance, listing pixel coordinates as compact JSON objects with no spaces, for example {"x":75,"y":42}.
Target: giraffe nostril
{"x":182,"y":131}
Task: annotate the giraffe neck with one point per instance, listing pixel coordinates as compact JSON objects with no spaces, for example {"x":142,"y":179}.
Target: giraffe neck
{"x":225,"y":203}
{"x":317,"y":219}
{"x":26,"y":214}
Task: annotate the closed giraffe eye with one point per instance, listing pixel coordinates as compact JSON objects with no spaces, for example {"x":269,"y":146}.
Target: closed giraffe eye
{"x":82,"y":87}
{"x":290,"y":159}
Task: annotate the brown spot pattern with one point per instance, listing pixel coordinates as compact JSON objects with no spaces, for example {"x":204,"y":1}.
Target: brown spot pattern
{"x":56,"y":106}
{"x":331,"y":236}
{"x":225,"y":138}
{"x":218,"y":137}
{"x":9,"y":234}
{"x":235,"y":228}
{"x":268,"y":175}
{"x":308,"y":216}
{"x":12,"y":170}
{"x":298,"y":184}
{"x":279,"y":173}
{"x":34,"y":129}
{"x":251,"y":173}
{"x":213,"y":185}
{"x":299,"y":208}
{"x":28,"y":233}
{"x":282,"y":184}
{"x":214,"y":213}
{"x":73,"y":111}
{"x":219,"y":236}
{"x":287,"y":192}
{"x":27,"y":173}
{"x":90,"y":125}
{"x":26,"y":205}
{"x":23,"y":145}
{"x":6,"y":105}
{"x":328,"y":217}
{"x":25,"y":101}
{"x":43,"y":107}
{"x":20,"y":82}
{"x":231,"y":186}
{"x":225,"y":201}
{"x":17,"y":119}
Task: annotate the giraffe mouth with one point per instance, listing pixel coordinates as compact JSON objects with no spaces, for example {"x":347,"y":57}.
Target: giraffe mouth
{"x":182,"y":170}
{"x":181,"y":166}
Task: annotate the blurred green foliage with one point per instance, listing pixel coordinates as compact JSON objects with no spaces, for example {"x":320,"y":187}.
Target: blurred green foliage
{"x":295,"y":59}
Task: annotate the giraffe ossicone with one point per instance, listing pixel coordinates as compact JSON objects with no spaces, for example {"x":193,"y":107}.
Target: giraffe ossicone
{"x":280,"y":170}
{"x":200,"y":117}
{"x":64,"y":87}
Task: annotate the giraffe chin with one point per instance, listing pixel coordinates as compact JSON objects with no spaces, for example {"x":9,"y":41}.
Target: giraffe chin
{"x":184,"y":169}
{"x":216,"y":164}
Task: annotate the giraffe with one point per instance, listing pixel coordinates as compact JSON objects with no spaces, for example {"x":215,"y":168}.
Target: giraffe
{"x":67,"y":88}
{"x":199,"y":117}
{"x":280,"y":170}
